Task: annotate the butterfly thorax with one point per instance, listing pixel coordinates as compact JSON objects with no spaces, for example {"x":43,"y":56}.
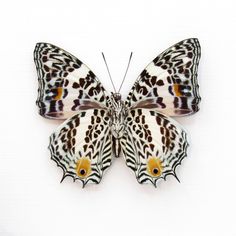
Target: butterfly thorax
{"x":117,"y":115}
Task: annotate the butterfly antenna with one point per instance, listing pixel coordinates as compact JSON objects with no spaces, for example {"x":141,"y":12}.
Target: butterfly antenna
{"x":126,"y":71}
{"x":108,"y":71}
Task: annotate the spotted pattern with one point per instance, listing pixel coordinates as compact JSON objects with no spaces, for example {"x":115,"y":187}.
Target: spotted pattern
{"x":99,"y":125}
{"x":66,"y":85}
{"x":169,"y":82}
{"x":83,"y":142}
{"x":150,"y":134}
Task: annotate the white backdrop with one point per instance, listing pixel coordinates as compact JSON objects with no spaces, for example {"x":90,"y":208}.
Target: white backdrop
{"x":33,"y":202}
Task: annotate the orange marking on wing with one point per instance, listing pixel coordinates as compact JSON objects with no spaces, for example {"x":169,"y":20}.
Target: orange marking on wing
{"x":83,"y":167}
{"x":177,"y":90}
{"x":59,"y":93}
{"x":154,"y":167}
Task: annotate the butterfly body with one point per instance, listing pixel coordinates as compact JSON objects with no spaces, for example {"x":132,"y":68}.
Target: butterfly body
{"x":100,"y":125}
{"x":117,"y":113}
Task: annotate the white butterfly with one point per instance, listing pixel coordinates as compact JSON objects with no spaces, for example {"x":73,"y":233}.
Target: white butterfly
{"x":100,"y":125}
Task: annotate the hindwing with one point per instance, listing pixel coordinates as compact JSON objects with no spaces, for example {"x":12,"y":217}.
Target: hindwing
{"x":153,"y":145}
{"x":81,"y":146}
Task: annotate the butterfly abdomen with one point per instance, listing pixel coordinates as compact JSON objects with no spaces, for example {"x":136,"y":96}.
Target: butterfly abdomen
{"x":116,"y":146}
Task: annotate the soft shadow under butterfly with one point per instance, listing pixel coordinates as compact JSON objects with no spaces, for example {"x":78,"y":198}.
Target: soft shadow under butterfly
{"x":100,"y":125}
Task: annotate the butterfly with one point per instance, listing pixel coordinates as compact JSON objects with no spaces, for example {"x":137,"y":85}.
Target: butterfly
{"x":99,"y":125}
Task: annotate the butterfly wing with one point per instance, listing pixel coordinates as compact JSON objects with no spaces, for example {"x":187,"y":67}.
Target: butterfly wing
{"x":66,"y":85}
{"x":153,"y":145}
{"x":81,"y":146}
{"x":169,"y":82}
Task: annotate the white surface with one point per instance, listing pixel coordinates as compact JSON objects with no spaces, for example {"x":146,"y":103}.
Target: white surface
{"x":33,"y":202}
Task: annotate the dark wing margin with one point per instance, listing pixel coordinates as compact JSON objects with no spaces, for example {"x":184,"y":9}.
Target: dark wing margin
{"x":169,"y":83}
{"x":65,"y":84}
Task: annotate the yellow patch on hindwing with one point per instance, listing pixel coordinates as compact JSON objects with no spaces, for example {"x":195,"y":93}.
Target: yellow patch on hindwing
{"x":154,"y":167}
{"x":83,"y":167}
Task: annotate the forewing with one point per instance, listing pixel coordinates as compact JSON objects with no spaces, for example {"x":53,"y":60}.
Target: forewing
{"x":153,"y":145}
{"x":169,"y":83}
{"x":81,"y":146}
{"x":66,"y":85}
